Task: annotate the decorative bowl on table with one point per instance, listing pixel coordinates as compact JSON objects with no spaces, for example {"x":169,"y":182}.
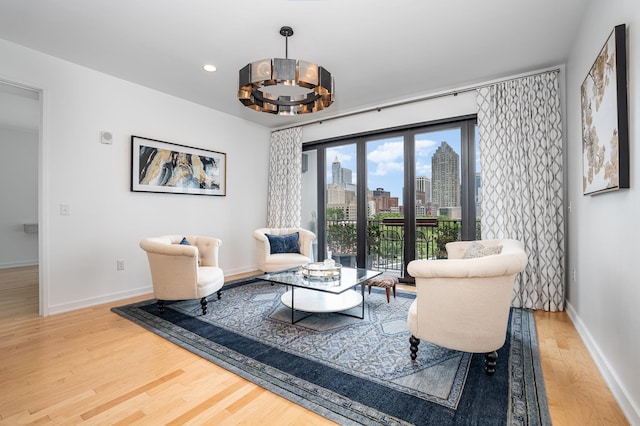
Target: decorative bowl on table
{"x":321,"y":271}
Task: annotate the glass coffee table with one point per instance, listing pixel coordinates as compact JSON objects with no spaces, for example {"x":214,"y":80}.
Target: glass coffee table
{"x":321,"y":296}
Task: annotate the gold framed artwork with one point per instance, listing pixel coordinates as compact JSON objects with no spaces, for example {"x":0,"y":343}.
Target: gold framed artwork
{"x":158,"y":166}
{"x":605,"y":123}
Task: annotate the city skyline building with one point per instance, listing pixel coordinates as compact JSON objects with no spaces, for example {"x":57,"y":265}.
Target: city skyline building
{"x":383,"y":200}
{"x":339,"y":175}
{"x":423,"y":184}
{"x":342,"y":176}
{"x":423,"y":196}
{"x":435,"y":195}
{"x":339,"y":198}
{"x":445,"y":176}
{"x":341,"y":192}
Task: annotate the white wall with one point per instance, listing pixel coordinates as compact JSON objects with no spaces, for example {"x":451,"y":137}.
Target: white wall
{"x":604,"y":230}
{"x":107,"y":221}
{"x":419,"y":112}
{"x":19,"y":195}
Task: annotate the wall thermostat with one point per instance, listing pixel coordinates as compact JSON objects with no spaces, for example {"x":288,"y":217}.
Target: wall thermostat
{"x":106,"y":137}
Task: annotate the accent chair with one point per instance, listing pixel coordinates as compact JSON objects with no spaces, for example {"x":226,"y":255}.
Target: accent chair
{"x":278,"y":249}
{"x":463,"y":302}
{"x":184,"y":267}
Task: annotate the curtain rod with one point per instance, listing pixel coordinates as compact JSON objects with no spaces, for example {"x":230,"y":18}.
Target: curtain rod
{"x":454,"y":92}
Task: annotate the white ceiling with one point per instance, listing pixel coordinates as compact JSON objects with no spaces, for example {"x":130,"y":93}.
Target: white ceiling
{"x":378,"y":51}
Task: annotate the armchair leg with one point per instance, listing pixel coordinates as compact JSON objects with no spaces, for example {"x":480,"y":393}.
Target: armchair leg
{"x":414,"y":342}
{"x":219,"y":293}
{"x":203,"y":302}
{"x":161,"y":306}
{"x":490,"y":361}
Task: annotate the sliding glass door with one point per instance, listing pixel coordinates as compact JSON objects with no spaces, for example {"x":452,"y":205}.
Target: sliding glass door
{"x":392,"y":197}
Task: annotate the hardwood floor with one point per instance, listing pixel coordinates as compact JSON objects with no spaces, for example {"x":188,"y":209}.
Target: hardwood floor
{"x":576,"y":391}
{"x":93,"y":366}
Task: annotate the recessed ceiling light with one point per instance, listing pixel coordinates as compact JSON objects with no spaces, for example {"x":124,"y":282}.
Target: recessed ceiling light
{"x":209,"y":68}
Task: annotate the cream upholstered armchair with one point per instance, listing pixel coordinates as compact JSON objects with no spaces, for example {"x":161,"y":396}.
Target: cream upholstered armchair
{"x":184,"y":267}
{"x":278,"y":249}
{"x":463,"y":302}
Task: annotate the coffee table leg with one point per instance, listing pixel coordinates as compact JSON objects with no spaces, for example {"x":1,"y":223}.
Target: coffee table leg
{"x":362,"y":292}
{"x":293,"y":310}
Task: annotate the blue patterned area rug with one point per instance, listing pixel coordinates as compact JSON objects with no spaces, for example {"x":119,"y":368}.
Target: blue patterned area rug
{"x":356,"y":371}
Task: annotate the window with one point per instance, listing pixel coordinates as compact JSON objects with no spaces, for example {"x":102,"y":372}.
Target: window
{"x":394,"y":196}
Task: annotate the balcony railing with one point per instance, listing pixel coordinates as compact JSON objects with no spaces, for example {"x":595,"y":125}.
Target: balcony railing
{"x":385,"y":240}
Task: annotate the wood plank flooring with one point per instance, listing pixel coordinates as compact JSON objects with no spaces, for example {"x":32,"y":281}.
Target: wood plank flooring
{"x":92,"y":366}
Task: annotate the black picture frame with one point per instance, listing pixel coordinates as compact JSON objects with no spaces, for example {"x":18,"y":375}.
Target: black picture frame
{"x":158,"y":166}
{"x":605,"y":122}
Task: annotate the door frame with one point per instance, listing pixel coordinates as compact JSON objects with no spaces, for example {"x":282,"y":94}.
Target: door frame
{"x":42,"y":190}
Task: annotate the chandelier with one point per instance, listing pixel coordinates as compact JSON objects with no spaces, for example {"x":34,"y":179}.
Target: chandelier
{"x":285,"y":86}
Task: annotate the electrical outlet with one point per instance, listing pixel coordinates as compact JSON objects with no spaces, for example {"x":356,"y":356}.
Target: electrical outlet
{"x":120,"y":265}
{"x":573,"y":274}
{"x":64,"y":210}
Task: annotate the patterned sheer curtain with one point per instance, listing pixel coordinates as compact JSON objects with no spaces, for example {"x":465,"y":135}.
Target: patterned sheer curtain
{"x":284,"y":201}
{"x":521,"y":154}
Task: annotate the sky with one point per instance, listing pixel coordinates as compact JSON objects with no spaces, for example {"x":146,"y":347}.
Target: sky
{"x":385,"y":159}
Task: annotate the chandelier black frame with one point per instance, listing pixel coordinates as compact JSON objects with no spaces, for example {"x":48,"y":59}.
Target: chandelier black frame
{"x":256,"y":77}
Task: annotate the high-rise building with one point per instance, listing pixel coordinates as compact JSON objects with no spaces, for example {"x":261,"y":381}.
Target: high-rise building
{"x":340,"y":175}
{"x":423,"y":184}
{"x":423,"y":189}
{"x":341,"y":193}
{"x":346,"y":177}
{"x":336,"y":172}
{"x":445,"y":175}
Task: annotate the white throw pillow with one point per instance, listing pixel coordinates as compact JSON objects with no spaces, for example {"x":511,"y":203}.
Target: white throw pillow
{"x":476,"y":250}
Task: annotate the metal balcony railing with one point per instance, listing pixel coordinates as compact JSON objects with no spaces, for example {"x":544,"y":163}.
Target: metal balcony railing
{"x":385,"y":241}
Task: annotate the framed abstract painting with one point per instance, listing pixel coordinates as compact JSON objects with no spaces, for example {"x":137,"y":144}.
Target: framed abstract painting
{"x":605,"y":123}
{"x":158,"y":166}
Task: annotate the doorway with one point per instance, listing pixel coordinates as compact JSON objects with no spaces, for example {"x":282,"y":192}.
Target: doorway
{"x":20,"y":120}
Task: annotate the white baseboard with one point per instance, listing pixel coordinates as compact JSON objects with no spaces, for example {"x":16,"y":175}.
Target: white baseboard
{"x":238,"y":271}
{"x":628,"y":406}
{"x":18,"y":264}
{"x":87,"y":303}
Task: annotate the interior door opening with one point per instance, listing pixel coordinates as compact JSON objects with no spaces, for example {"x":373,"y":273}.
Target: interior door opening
{"x":19,"y":219}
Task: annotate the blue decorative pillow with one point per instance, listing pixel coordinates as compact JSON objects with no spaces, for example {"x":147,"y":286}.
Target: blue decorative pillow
{"x":284,"y":243}
{"x":184,"y":242}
